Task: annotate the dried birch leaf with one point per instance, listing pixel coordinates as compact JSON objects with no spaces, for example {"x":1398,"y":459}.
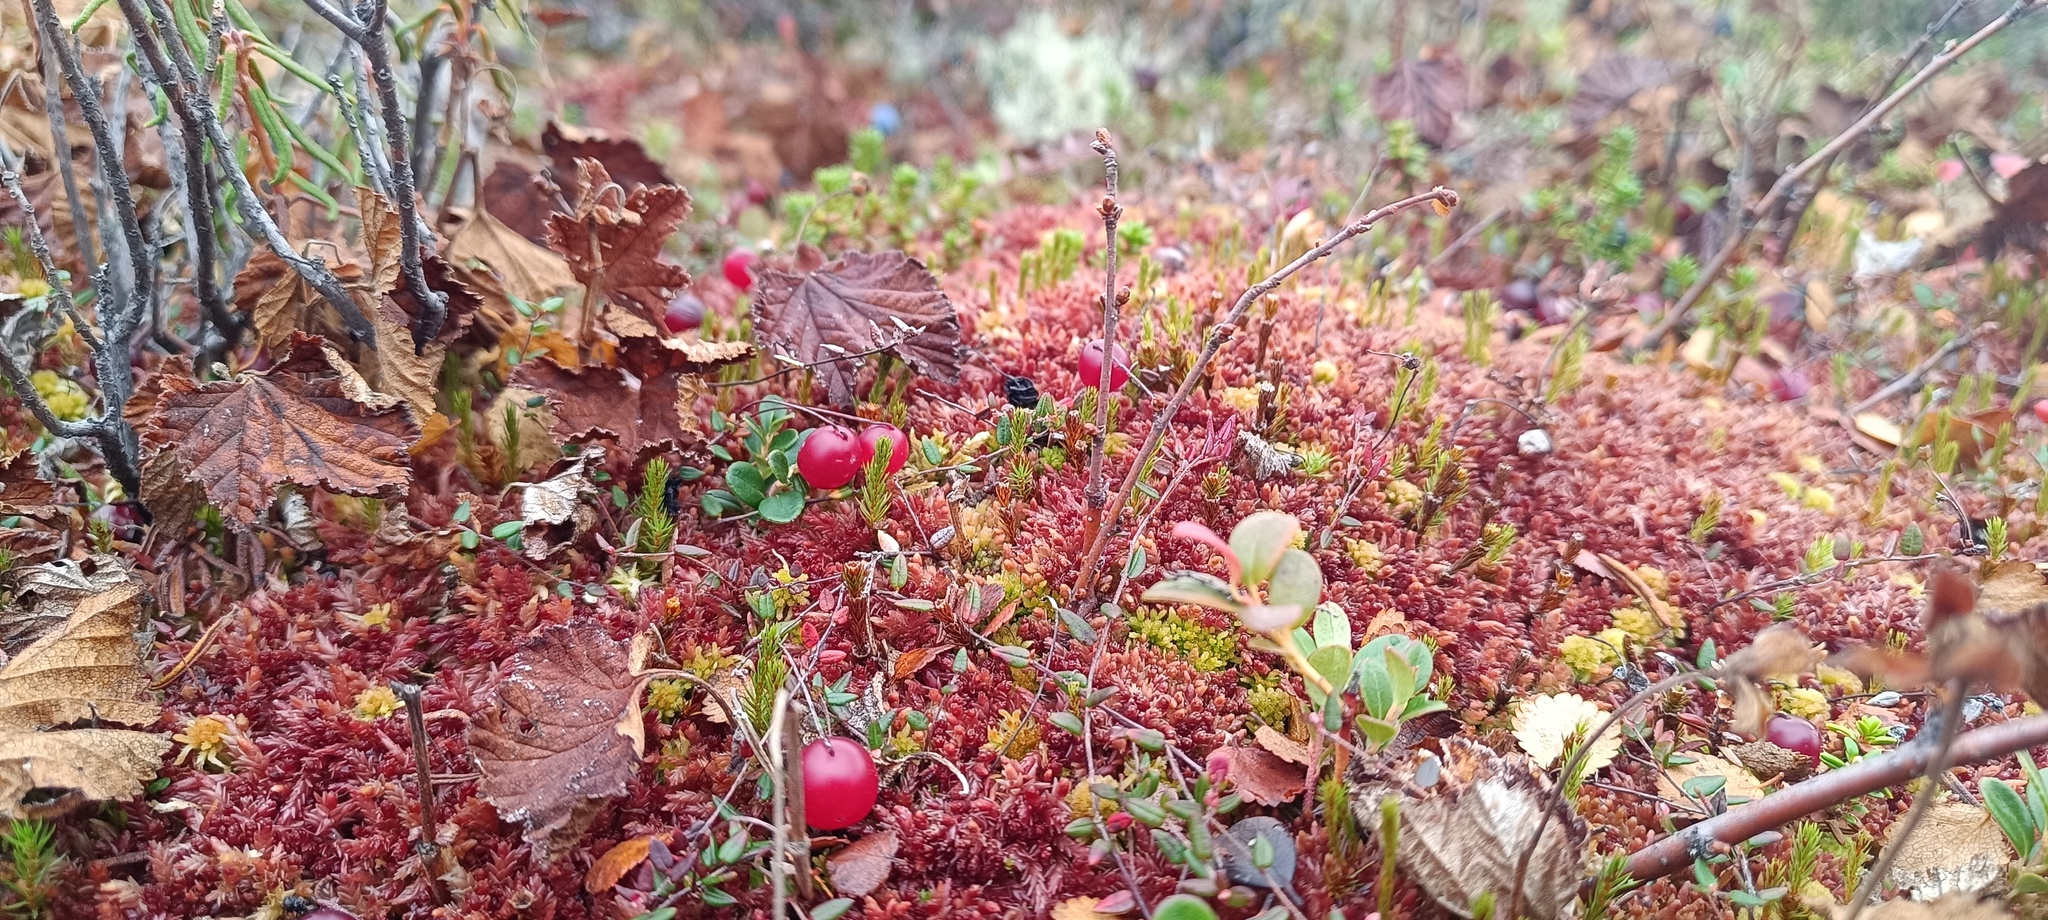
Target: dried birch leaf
{"x":858,"y":303}
{"x":623,"y":857}
{"x":863,"y":865}
{"x":497,"y":262}
{"x":1264,"y":778}
{"x":1281,"y":746}
{"x":563,"y":733}
{"x":1958,"y":849}
{"x":1464,"y":830}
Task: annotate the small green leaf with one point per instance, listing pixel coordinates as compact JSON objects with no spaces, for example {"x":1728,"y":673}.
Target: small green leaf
{"x":467,"y":539}
{"x":729,"y":851}
{"x":2029,"y":883}
{"x":1701,"y":787}
{"x":1296,"y":580}
{"x":1183,"y":907}
{"x":1375,"y":685}
{"x":1079,"y":628}
{"x":1262,"y":852}
{"x":1068,"y":722}
{"x":782,"y":507}
{"x":1379,"y":733}
{"x":1150,"y":739}
{"x":1145,"y":811}
{"x":1260,"y":540}
{"x":1018,"y":657}
{"x":745,"y":482}
{"x":830,"y":910}
{"x":462,"y":513}
{"x":507,"y":529}
{"x":1333,"y":662}
{"x":1194,"y":588}
{"x":1136,"y":564}
{"x":2010,"y":811}
{"x":1332,"y":627}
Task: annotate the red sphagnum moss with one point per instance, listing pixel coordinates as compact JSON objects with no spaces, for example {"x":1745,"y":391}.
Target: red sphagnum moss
{"x":318,"y":799}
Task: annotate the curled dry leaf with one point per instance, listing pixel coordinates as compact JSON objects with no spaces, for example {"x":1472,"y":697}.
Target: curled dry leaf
{"x":643,"y":404}
{"x":556,"y":500}
{"x":1465,"y":822}
{"x":2002,"y":649}
{"x":74,"y":658}
{"x":863,"y":865}
{"x":909,"y":663}
{"x":1548,"y":727}
{"x":499,"y":264}
{"x":612,"y":240}
{"x":1285,"y":748}
{"x":1264,"y":778}
{"x":24,"y":492}
{"x":623,"y":857}
{"x":279,"y":303}
{"x":1958,"y":849}
{"x":624,"y":160}
{"x":240,"y":439}
{"x":562,"y":734}
{"x":857,"y":303}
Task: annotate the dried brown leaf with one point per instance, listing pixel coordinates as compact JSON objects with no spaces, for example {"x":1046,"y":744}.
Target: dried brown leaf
{"x":1082,"y":908}
{"x":72,"y":651}
{"x":623,"y":857}
{"x":858,"y":303}
{"x":280,"y":304}
{"x":240,"y":439}
{"x":1285,"y":748}
{"x":623,"y":158}
{"x":613,"y":242}
{"x":44,"y":774}
{"x":1957,"y":849}
{"x":1428,"y":91}
{"x":2010,"y":586}
{"x":909,"y":663}
{"x":23,"y":491}
{"x":1952,"y":907}
{"x":561,"y":735}
{"x":1464,"y":831}
{"x":1614,"y":569}
{"x":863,"y":865}
{"x":494,"y":260}
{"x":1264,"y":778}
{"x":1611,"y":82}
{"x":1742,"y":785}
{"x":644,"y":404}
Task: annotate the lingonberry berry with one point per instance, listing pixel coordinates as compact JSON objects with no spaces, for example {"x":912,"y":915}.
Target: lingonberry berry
{"x":839,"y":783}
{"x":899,"y":445}
{"x":739,"y":269}
{"x":1091,"y":366}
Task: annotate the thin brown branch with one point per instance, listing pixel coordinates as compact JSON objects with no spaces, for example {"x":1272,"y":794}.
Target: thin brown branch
{"x":1919,"y":372}
{"x":1098,"y":490}
{"x":1218,"y":335}
{"x":433,"y":304}
{"x":1674,"y":853}
{"x":1798,"y":174}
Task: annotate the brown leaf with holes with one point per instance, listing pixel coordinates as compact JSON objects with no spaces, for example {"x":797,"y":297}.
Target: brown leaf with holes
{"x":1466,"y":820}
{"x":858,"y":303}
{"x":613,"y":240}
{"x":561,"y":735}
{"x":72,"y":657}
{"x":46,"y":774}
{"x":1264,"y":778}
{"x":1958,"y":849}
{"x":644,"y":403}
{"x":71,"y":649}
{"x":240,"y":439}
{"x":863,"y":865}
{"x":1428,"y":91}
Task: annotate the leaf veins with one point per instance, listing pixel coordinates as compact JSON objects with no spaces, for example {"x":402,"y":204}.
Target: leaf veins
{"x":858,"y":303}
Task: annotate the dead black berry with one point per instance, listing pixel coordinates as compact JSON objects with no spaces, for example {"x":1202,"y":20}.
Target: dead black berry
{"x":1021,"y":392}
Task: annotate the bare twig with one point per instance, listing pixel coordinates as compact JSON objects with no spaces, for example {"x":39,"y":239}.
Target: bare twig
{"x":1797,"y":174}
{"x":1098,"y":490}
{"x":60,"y":148}
{"x":148,"y":25}
{"x":1219,"y":334}
{"x":1675,"y":852}
{"x":1937,"y":764}
{"x":431,"y":855}
{"x":433,"y":304}
{"x":1912,"y":378}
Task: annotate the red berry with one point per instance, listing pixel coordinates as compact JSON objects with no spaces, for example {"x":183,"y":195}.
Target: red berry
{"x":830,"y":457}
{"x":1519,"y":295}
{"x":1091,"y":366}
{"x":1790,"y":384}
{"x":839,"y":783}
{"x":899,"y":445}
{"x":739,"y":269}
{"x":686,"y":312}
{"x":2041,"y":411}
{"x":1794,"y":734}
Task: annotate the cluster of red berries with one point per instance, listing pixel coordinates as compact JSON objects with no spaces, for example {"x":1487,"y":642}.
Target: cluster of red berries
{"x":832,"y":455}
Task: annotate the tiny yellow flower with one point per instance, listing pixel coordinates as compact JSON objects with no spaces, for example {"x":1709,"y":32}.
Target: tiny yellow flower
{"x":1366,"y":555}
{"x":668,"y":698}
{"x":1811,"y":464}
{"x":1403,"y":495}
{"x":1242,"y":399}
{"x":1838,"y":678}
{"x":33,"y":288}
{"x":1804,"y":702}
{"x":205,"y":740}
{"x":1819,"y":499}
{"x":1323,"y":373}
{"x":1586,"y":655}
{"x":1789,"y":483}
{"x":376,"y":703}
{"x":377,"y":617}
{"x":1638,"y":623}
